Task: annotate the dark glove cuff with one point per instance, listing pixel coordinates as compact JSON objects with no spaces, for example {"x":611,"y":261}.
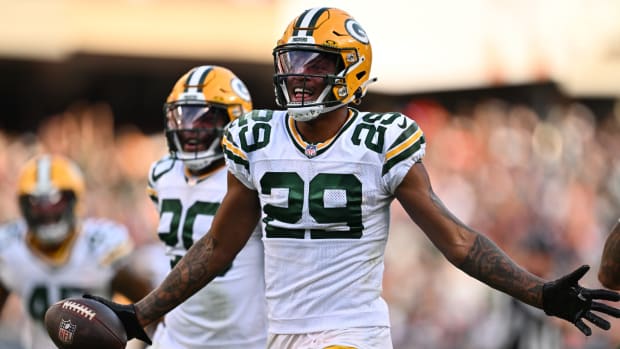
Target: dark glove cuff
{"x":127,"y":314}
{"x":135,"y":330}
{"x":547,"y":302}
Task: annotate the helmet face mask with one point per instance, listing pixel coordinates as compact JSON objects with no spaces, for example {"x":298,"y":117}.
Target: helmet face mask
{"x":308,"y":78}
{"x":301,"y":59}
{"x":50,"y":188}
{"x":201,"y":104}
{"x":194,"y":132}
{"x":50,"y":216}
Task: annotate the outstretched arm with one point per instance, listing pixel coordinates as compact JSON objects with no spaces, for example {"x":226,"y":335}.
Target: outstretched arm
{"x":232,"y":226}
{"x":467,"y":249}
{"x":609,"y":273}
{"x":479,"y":257}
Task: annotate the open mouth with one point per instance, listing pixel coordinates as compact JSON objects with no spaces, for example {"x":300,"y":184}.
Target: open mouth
{"x":192,"y":145}
{"x":301,"y":94}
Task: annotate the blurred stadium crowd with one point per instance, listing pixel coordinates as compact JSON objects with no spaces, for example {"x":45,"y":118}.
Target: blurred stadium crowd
{"x":546,"y":188}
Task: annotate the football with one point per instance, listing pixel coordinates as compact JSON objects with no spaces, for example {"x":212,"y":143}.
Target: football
{"x":81,"y":323}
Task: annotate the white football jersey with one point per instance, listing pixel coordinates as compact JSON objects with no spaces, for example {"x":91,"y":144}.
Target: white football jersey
{"x":230,"y":312}
{"x":97,"y":252}
{"x":325,"y":213}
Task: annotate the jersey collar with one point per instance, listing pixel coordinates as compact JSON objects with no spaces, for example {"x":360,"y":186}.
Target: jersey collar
{"x":315,"y":149}
{"x":193,"y":180}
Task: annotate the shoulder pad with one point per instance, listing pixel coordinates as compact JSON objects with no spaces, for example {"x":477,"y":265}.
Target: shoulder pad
{"x":386,"y":119}
{"x":107,"y":240}
{"x":247,"y":134}
{"x":159,"y":168}
{"x":255,"y":116}
{"x":398,"y":137}
{"x":11,"y":232}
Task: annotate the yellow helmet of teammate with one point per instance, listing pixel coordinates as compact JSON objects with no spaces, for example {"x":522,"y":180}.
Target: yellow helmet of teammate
{"x":202,"y":102}
{"x":49,"y":190}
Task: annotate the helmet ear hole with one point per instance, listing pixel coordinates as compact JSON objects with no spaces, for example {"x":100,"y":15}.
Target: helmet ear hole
{"x":358,"y":96}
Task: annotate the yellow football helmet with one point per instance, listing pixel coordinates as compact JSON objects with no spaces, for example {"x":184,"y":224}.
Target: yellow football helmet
{"x":202,"y":102}
{"x":321,"y":37}
{"x":49,"y":190}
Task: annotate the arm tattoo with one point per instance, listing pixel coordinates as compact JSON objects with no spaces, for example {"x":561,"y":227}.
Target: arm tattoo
{"x":479,"y":258}
{"x":189,"y":275}
{"x":489,"y":264}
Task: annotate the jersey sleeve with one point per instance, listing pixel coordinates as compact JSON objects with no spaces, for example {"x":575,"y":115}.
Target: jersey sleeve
{"x":157,"y":170}
{"x":109,"y":242}
{"x":10,"y":234}
{"x":406,"y":146}
{"x":236,"y":158}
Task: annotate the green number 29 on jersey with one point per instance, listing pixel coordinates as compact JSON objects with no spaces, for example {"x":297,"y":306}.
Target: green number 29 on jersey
{"x":346,"y":186}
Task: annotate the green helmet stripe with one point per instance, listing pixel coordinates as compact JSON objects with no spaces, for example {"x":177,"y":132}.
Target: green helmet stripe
{"x":197,"y":77}
{"x":308,"y":19}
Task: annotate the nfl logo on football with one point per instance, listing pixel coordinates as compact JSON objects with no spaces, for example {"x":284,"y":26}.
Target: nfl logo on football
{"x":66,"y":331}
{"x":310,"y":150}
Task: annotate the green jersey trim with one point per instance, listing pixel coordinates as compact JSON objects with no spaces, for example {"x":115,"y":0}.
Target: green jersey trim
{"x":321,"y":147}
{"x":409,"y":142}
{"x":233,"y":152}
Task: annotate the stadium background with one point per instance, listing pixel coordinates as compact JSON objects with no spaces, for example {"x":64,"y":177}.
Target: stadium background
{"x":518,"y":100}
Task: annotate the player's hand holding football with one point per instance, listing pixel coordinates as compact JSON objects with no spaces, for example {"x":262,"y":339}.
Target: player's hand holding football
{"x":565,"y":299}
{"x":127,"y":314}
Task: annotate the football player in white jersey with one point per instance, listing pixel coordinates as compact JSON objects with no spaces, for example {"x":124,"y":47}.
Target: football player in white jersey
{"x":51,"y":254}
{"x":188,"y":186}
{"x":320,"y":176}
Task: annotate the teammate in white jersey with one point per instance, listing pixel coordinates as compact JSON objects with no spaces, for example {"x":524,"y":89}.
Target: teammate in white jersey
{"x":52,"y":254}
{"x":188,"y":187}
{"x":320,"y":176}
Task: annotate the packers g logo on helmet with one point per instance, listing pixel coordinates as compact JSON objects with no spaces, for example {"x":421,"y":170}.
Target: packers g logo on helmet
{"x":328,"y":32}
{"x":356,"y":31}
{"x":239,"y":88}
{"x":202,"y":102}
{"x":49,"y":189}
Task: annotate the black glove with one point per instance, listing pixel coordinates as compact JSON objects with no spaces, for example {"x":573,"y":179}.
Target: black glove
{"x":565,"y":299}
{"x":127,"y":315}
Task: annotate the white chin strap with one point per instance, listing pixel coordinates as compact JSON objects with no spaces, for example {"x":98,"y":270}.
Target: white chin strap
{"x":53,"y":234}
{"x":309,"y":113}
{"x":200,"y":160}
{"x":199,"y":164}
